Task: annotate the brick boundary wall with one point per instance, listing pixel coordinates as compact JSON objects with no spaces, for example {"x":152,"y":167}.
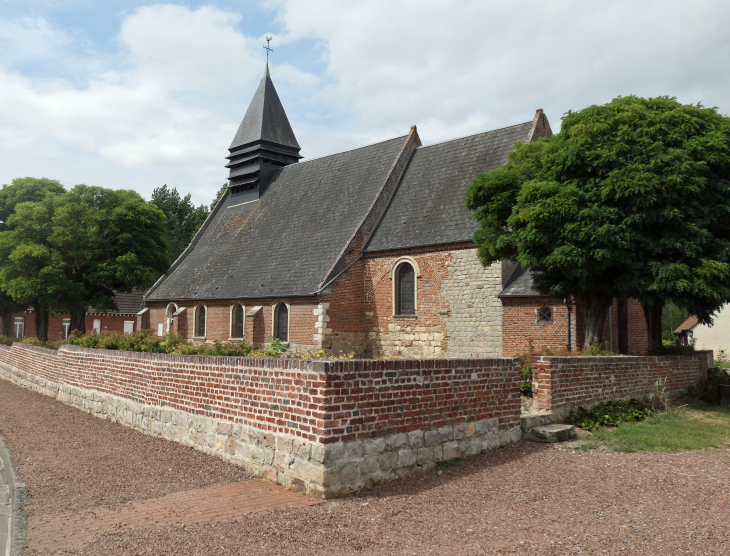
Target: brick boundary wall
{"x":561,"y":384}
{"x":326,"y":428}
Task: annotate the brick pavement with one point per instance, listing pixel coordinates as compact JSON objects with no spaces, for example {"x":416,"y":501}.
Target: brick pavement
{"x":205,"y":505}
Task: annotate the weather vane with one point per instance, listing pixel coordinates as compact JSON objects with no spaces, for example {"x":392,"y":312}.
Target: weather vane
{"x":268,"y":49}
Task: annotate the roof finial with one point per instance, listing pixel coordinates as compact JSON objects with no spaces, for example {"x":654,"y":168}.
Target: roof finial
{"x":268,"y":39}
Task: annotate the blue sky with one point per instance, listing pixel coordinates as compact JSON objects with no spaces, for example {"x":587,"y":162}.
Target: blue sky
{"x":136,"y":94}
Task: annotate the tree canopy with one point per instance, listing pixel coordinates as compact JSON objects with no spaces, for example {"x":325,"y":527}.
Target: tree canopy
{"x":68,"y":250}
{"x":182,"y":218}
{"x":630,"y":199}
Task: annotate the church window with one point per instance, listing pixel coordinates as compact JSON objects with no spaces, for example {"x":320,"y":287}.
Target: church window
{"x":281,"y":322}
{"x":545,"y":314}
{"x":200,"y":321}
{"x":237,"y":321}
{"x":406,"y":290}
{"x":169,"y":312}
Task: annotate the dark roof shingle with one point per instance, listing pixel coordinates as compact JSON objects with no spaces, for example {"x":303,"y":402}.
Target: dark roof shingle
{"x":285,"y":243}
{"x":428,"y":206}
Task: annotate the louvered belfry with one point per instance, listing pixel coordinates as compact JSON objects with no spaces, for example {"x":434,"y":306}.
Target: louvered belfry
{"x":263,"y":143}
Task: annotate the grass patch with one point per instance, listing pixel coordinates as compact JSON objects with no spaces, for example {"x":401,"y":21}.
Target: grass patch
{"x":696,"y":426}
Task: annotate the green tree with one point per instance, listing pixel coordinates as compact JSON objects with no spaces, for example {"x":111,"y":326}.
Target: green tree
{"x":182,"y":218}
{"x":630,"y":199}
{"x":75,"y":250}
{"x":8,"y":306}
{"x":104,"y":241}
{"x":218,"y":196}
{"x":20,"y":294}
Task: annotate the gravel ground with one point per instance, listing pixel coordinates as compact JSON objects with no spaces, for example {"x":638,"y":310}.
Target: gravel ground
{"x":526,"y":499}
{"x":70,"y":460}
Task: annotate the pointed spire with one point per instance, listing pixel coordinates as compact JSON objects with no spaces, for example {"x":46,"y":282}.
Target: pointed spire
{"x":264,"y":141}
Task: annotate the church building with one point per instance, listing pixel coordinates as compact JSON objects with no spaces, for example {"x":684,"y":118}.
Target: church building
{"x":367,"y":251}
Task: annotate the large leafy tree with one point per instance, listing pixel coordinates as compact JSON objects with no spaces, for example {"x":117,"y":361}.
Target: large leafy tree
{"x":630,"y":199}
{"x":182,"y":218}
{"x":77,"y":249}
{"x":104,"y":241}
{"x":17,"y":296}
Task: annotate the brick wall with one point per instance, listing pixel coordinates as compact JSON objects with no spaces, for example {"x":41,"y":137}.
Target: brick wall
{"x":522,"y":329}
{"x":323,"y":427}
{"x":564,"y":383}
{"x":302,"y":319}
{"x":110,"y":322}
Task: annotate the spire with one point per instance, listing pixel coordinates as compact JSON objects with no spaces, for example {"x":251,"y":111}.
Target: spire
{"x":264,"y":141}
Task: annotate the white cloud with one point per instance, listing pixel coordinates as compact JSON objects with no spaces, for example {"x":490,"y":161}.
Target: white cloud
{"x":164,"y":103}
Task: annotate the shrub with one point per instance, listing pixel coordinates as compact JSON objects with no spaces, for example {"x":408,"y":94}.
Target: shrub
{"x":610,"y":414}
{"x":526,"y":374}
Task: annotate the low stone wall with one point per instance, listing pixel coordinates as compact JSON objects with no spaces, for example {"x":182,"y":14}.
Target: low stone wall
{"x":326,"y":428}
{"x":561,"y":384}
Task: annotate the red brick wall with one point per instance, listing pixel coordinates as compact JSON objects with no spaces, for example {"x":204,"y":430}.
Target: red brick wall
{"x":110,"y":322}
{"x":218,"y":319}
{"x":638,"y":339}
{"x":568,"y":382}
{"x":282,"y":395}
{"x":322,"y":401}
{"x":367,"y":399}
{"x":520,"y":326}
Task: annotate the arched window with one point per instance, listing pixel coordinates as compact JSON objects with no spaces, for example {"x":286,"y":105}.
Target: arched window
{"x":237,"y":321}
{"x":200,"y":321}
{"x":281,"y":322}
{"x":169,"y":312}
{"x":405,"y":289}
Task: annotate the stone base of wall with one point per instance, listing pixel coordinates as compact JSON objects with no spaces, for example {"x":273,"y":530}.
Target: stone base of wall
{"x":280,"y":458}
{"x":351,"y":466}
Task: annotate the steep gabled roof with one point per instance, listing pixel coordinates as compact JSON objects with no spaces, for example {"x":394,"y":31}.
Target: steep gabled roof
{"x":286,"y":242}
{"x":519,"y":284}
{"x":265,"y":119}
{"x":428,"y":207}
{"x":689,"y":324}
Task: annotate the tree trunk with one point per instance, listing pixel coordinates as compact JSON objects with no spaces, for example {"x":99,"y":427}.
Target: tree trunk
{"x":7,"y":317}
{"x":653,"y":318}
{"x":40,"y":314}
{"x":78,"y":322}
{"x":597,"y":307}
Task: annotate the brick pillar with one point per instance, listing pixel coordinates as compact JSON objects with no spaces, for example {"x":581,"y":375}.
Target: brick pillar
{"x":180,"y":323}
{"x":143,"y":319}
{"x":254,"y":331}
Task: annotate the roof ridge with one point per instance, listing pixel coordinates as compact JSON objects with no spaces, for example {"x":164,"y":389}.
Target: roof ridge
{"x":347,"y":151}
{"x":472,"y":135}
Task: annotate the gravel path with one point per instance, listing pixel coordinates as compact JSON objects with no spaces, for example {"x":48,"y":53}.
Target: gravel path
{"x":526,"y":499}
{"x":70,"y":460}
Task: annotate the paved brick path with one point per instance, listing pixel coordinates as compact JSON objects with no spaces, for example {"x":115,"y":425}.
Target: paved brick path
{"x":205,"y":505}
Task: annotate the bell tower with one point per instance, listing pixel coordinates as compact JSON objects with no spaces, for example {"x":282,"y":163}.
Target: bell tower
{"x":263,"y":143}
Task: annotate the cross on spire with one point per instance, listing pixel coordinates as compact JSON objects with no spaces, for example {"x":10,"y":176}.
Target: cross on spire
{"x":268,"y":50}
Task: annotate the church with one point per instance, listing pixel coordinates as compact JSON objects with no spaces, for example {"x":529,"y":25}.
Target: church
{"x":367,"y":251}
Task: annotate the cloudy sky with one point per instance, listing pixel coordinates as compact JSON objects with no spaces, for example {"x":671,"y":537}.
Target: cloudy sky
{"x":133,"y":94}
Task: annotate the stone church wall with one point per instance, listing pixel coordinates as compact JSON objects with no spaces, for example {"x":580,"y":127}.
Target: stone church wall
{"x":458,"y":313}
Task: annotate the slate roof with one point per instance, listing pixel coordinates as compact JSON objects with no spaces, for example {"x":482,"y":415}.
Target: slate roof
{"x":519,"y":284}
{"x":128,"y":303}
{"x":265,"y":119}
{"x":689,"y":324}
{"x":286,"y":242}
{"x":428,"y":207}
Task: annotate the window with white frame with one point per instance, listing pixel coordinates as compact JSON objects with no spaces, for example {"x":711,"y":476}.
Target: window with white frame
{"x":128,"y":326}
{"x":66,"y":328}
{"x":200,"y":321}
{"x":97,"y":326}
{"x":19,"y":327}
